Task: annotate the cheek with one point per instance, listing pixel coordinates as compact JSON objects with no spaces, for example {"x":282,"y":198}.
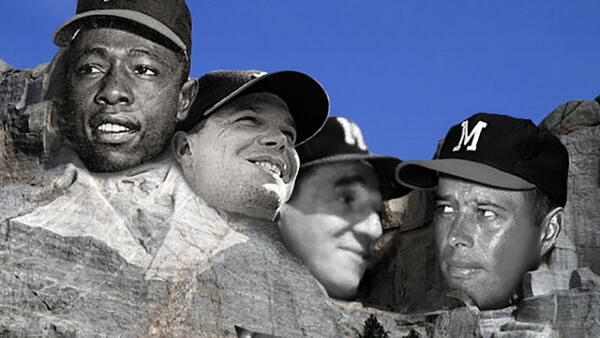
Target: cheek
{"x":507,"y":257}
{"x":518,"y":251}
{"x":79,"y":102}
{"x":305,"y":235}
{"x":206,"y":162}
{"x":440,"y":234}
{"x":294,"y":161}
{"x":318,"y":233}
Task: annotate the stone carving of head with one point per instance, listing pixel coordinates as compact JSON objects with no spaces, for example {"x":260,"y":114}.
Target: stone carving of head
{"x":332,"y":220}
{"x":501,"y":188}
{"x":126,"y":79}
{"x":237,"y":147}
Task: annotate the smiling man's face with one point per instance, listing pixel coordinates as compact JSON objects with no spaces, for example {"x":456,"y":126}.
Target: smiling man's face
{"x":124,"y":94}
{"x":241,"y":158}
{"x":486,"y":239}
{"x":332,"y":223}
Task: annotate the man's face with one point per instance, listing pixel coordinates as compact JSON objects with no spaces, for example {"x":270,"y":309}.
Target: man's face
{"x":123,"y":97}
{"x":242,"y":159}
{"x":332,"y":223}
{"x":486,"y":239}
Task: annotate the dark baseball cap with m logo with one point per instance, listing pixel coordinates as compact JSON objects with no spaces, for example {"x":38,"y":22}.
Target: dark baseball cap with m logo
{"x":499,"y":151}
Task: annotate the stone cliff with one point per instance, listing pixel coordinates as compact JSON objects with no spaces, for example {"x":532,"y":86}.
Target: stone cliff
{"x":137,"y":254}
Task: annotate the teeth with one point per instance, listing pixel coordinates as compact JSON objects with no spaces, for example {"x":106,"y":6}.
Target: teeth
{"x":270,"y":167}
{"x":112,"y":128}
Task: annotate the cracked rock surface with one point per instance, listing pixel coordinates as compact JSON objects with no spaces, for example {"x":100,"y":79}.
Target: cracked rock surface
{"x":138,"y":254}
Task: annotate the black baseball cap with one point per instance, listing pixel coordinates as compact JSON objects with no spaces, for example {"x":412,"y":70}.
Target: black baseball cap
{"x":304,"y":96}
{"x":342,"y":140}
{"x":170,"y":18}
{"x":499,"y":151}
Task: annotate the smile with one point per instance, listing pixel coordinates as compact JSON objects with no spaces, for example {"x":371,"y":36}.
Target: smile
{"x":270,"y":168}
{"x":274,"y":167}
{"x":113,"y":128}
{"x":113,"y":133}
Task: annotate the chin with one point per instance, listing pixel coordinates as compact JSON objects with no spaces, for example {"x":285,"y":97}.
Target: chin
{"x":265,"y":201}
{"x":484,"y":303}
{"x":484,"y":297}
{"x":109,"y":163}
{"x":256,"y":203}
{"x":340,"y":284}
{"x":343,"y":291}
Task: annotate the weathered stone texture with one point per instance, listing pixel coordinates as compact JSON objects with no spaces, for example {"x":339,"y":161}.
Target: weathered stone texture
{"x":136,"y":254}
{"x":572,"y":313}
{"x":84,"y":287}
{"x":77,"y":285}
{"x":577,"y":124}
{"x":28,"y":133}
{"x":4,"y":67}
{"x":407,"y":279}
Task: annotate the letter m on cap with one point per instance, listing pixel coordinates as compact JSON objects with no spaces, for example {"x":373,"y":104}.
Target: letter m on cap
{"x":470,"y":139}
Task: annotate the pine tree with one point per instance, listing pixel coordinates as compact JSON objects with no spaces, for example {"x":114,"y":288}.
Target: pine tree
{"x":373,"y":329}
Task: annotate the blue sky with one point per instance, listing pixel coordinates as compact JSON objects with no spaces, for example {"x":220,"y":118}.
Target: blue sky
{"x":404,"y":70}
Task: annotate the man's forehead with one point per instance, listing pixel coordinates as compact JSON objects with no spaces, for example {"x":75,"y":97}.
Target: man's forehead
{"x":345,"y":173}
{"x":455,"y":188}
{"x":118,"y":39}
{"x":257,"y":102}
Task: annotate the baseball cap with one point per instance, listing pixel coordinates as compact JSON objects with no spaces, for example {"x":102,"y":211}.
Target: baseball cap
{"x":342,"y":140}
{"x":499,"y":151}
{"x":304,"y":96}
{"x":170,"y":18}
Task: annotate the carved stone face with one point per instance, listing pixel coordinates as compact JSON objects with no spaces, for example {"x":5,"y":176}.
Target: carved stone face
{"x":486,"y":239}
{"x":332,"y":223}
{"x":124,"y":95}
{"x":241,"y":158}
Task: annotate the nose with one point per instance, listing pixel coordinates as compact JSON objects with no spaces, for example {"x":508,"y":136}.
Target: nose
{"x":273,"y":139}
{"x":370,"y":227}
{"x":115,"y":90}
{"x":461,"y":232}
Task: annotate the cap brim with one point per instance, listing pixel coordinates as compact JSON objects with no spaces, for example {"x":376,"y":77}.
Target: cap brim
{"x":424,"y":174}
{"x":305,"y":97}
{"x":66,"y":32}
{"x":384,"y":168}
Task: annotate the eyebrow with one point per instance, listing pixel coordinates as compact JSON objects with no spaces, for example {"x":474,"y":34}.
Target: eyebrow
{"x":92,"y":51}
{"x":437,"y":196}
{"x":144,"y":52}
{"x":349,"y":180}
{"x":256,"y":108}
{"x":490,"y":203}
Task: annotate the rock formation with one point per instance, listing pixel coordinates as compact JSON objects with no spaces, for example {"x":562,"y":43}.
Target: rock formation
{"x":577,"y":124}
{"x":137,"y":254}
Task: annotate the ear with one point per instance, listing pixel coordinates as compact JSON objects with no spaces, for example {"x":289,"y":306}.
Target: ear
{"x":181,"y":148}
{"x":551,"y":226}
{"x":187,"y":94}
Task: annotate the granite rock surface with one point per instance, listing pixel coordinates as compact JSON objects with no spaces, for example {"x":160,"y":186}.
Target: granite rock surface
{"x":137,"y":254}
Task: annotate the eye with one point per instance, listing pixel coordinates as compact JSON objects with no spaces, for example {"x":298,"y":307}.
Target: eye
{"x":290,"y":135}
{"x":89,"y":69}
{"x":145,"y":70}
{"x":247,"y":120}
{"x":444,"y":209}
{"x":346,"y":199}
{"x":487,"y":213}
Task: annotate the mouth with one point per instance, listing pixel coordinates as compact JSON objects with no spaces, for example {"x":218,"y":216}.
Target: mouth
{"x":459,"y":270}
{"x":362,"y":252}
{"x":110,"y":130}
{"x":273,"y":167}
